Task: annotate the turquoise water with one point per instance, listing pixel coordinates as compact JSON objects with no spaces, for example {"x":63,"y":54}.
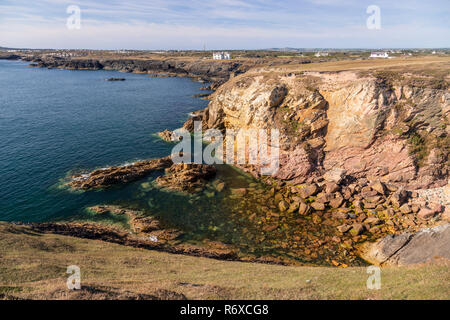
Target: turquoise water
{"x":56,"y":121}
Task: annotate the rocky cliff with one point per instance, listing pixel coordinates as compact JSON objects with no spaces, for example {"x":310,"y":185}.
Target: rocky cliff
{"x":205,"y":69}
{"x":374,"y":125}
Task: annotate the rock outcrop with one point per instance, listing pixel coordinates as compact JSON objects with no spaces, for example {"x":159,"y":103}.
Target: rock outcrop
{"x":395,"y":131}
{"x":410,"y":248}
{"x":140,"y":223}
{"x":108,"y":177}
{"x":186,"y":177}
{"x":179,"y":177}
{"x":169,"y":136}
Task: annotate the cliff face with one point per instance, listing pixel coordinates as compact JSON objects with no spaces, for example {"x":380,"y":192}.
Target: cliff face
{"x":370,"y":126}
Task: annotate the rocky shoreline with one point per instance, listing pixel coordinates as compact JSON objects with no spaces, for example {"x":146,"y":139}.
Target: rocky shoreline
{"x":360,"y":155}
{"x":359,"y":213}
{"x":203,"y":70}
{"x":103,"y":178}
{"x":178,"y":177}
{"x":147,"y":233}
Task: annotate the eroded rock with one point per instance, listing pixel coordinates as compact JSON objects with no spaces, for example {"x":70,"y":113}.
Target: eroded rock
{"x":169,"y":136}
{"x":186,"y":177}
{"x":111,"y":176}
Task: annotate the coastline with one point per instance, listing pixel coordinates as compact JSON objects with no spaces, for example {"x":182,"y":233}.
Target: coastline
{"x":316,"y":213}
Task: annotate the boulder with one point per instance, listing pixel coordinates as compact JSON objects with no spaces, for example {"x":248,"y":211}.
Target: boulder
{"x":368,"y":192}
{"x":335,"y":175}
{"x":358,"y":205}
{"x":357,"y":229}
{"x":219,"y":186}
{"x":344,"y":228}
{"x":426,"y":213}
{"x":331,"y":187}
{"x":283,"y":205}
{"x":324,"y":197}
{"x":399,"y":197}
{"x":307,"y":190}
{"x":239,"y":191}
{"x":318,"y":206}
{"x":337,"y":201}
{"x":405,"y":208}
{"x":361,"y":217}
{"x":169,"y":136}
{"x":293,"y":207}
{"x":316,"y":218}
{"x":409,"y":248}
{"x":379,"y":187}
{"x":339,"y":215}
{"x":186,"y":177}
{"x":373,"y":221}
{"x":347,"y":193}
{"x":369,"y":205}
{"x":304,"y":209}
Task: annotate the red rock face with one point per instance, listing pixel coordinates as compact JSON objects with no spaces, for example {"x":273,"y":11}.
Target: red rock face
{"x":295,"y":165}
{"x":388,"y":159}
{"x":394,"y":133}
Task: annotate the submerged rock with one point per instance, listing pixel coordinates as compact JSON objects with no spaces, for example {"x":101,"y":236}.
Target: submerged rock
{"x":138,"y":222}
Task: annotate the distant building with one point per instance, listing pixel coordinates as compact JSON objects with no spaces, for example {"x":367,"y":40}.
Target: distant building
{"x":221,"y":56}
{"x":65,"y":54}
{"x":322,"y":54}
{"x":379,"y":54}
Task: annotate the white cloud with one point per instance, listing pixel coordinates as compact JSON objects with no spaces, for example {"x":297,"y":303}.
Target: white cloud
{"x":176,"y":24}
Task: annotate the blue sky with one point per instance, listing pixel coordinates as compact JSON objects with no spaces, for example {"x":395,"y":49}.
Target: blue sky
{"x":224,"y":24}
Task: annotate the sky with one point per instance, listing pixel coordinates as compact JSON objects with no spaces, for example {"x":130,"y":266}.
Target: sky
{"x":225,"y":24}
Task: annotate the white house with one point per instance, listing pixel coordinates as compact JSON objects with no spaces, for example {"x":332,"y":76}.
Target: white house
{"x":321,"y":54}
{"x":379,"y":54}
{"x":221,"y":56}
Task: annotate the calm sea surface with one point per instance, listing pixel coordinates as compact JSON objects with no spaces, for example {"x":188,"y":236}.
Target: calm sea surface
{"x":54,"y":123}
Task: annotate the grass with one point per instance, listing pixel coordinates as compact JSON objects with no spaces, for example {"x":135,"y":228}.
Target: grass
{"x":418,"y":148}
{"x":33,"y":265}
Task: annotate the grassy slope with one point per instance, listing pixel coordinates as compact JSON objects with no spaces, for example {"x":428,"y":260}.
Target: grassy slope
{"x":402,"y":64}
{"x":33,"y":265}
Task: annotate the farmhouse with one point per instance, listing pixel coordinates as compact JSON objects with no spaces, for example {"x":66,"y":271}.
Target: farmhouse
{"x":322,"y":54}
{"x":221,"y":56}
{"x":379,"y":54}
